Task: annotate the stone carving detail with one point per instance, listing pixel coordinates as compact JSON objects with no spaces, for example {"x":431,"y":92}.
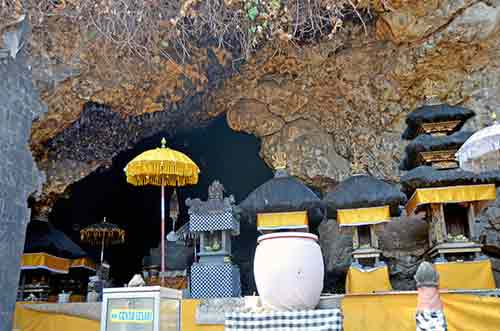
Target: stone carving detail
{"x":216,"y":190}
{"x":216,"y":202}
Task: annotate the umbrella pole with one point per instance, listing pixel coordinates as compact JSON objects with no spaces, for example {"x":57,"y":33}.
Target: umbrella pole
{"x":162,"y":230}
{"x":102,"y":250}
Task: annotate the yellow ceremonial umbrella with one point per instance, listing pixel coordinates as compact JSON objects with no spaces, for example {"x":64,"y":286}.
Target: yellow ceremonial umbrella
{"x":162,"y":167}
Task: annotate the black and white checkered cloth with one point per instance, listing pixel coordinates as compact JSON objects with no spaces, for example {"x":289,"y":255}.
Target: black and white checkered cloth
{"x":430,"y":321}
{"x":305,"y":320}
{"x":211,"y":222}
{"x":215,"y":280}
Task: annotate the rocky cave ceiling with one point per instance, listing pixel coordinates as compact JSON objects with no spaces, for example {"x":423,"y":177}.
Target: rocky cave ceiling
{"x":320,"y":103}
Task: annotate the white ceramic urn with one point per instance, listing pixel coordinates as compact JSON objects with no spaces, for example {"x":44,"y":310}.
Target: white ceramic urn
{"x":288,"y":270}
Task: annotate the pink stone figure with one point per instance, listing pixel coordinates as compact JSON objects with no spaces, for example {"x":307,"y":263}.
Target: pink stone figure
{"x":429,"y":315}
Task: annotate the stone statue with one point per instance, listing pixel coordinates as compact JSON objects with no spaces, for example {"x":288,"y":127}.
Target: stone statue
{"x":216,"y":191}
{"x":429,"y":315}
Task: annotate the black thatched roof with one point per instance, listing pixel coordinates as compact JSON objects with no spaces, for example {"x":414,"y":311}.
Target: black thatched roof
{"x":427,"y":143}
{"x":43,"y":237}
{"x":363,"y":192}
{"x":282,"y":194}
{"x":434,"y":113}
{"x":424,"y":176}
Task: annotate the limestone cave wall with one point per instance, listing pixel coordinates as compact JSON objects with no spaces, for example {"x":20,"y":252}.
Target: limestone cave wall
{"x":20,"y":105}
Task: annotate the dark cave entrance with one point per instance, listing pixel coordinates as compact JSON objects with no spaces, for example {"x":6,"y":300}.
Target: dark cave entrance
{"x":221,"y":153}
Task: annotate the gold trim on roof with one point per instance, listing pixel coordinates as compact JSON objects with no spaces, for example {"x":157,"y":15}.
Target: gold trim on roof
{"x":439,"y":128}
{"x":363,"y":216}
{"x":444,"y":159}
{"x":45,"y":261}
{"x":288,"y":220}
{"x":84,"y":262}
{"x":451,"y":194}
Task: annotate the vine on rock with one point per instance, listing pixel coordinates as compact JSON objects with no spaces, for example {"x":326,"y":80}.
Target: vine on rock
{"x":175,"y":28}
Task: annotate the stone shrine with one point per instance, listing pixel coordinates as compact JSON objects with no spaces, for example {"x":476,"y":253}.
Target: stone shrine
{"x":213,"y":223}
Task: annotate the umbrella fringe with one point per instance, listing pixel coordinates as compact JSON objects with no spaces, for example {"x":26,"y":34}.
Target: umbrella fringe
{"x":95,"y":236}
{"x":162,"y":173}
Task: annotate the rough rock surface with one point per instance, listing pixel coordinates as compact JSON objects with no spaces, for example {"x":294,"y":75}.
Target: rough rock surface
{"x":488,"y":227}
{"x":19,"y":177}
{"x":360,"y":91}
{"x":319,"y":103}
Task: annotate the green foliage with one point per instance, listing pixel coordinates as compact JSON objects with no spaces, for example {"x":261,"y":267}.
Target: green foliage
{"x":252,"y":13}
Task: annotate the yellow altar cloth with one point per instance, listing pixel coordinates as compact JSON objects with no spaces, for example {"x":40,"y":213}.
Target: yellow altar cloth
{"x":465,"y":275}
{"x":374,"y":280}
{"x":451,"y":194}
{"x":274,"y":221}
{"x":188,"y":318}
{"x":396,"y":312}
{"x":363,"y":216}
{"x":30,"y":320}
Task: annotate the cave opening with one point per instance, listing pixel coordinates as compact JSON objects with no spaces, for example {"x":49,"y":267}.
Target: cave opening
{"x":221,"y":153}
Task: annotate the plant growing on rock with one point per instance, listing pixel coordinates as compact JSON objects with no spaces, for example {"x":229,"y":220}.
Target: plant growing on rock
{"x":176,"y":28}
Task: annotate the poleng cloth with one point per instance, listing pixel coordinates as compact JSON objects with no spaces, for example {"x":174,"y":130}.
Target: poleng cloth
{"x":367,"y":281}
{"x":430,"y":321}
{"x":473,"y":275}
{"x":304,"y":320}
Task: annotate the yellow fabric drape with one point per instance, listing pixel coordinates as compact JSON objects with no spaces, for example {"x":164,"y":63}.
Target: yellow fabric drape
{"x":376,"y":280}
{"x":162,"y":167}
{"x":84,"y":262}
{"x":29,"y":320}
{"x":451,"y":194}
{"x":396,"y":312}
{"x":363,"y":216}
{"x":465,"y":275}
{"x":290,"y":220}
{"x":45,"y":261}
{"x":188,"y":318}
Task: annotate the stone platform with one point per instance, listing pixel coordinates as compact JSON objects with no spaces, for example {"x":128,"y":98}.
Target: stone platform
{"x":91,"y":310}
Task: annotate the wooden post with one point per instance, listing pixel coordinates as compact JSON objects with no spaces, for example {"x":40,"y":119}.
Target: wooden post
{"x":355,"y":238}
{"x":471,"y":217}
{"x":438,"y":224}
{"x":373,"y":236}
{"x":202,"y":242}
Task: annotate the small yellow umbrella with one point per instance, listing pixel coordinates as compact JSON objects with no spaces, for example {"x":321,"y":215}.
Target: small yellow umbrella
{"x":162,"y":167}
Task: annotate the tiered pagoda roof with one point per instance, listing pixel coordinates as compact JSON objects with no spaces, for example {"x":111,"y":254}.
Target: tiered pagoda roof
{"x":436,"y":118}
{"x":426,"y":147}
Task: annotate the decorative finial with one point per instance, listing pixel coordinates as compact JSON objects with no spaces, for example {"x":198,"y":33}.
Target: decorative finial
{"x":163,"y":142}
{"x":357,"y":167}
{"x":279,"y":161}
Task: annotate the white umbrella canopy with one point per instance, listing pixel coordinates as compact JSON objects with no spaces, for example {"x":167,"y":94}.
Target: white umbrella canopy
{"x":481,"y":152}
